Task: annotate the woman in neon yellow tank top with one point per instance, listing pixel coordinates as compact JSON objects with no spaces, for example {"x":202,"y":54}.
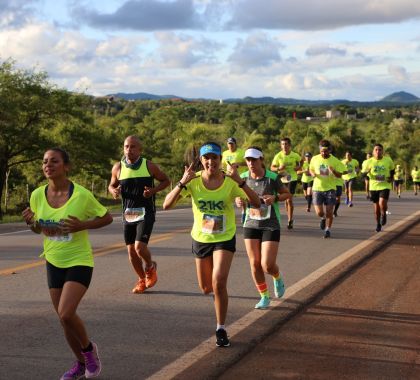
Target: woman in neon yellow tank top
{"x":213,"y":194}
{"x":63,"y":211}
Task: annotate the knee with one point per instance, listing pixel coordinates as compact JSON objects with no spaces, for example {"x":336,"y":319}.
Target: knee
{"x":219,"y":285}
{"x":65,"y":316}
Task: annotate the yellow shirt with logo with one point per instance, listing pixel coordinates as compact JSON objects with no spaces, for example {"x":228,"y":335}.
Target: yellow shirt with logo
{"x":399,"y":173}
{"x":60,"y":249}
{"x":213,"y":210}
{"x":306,"y":178}
{"x":379,"y":172}
{"x":238,"y":156}
{"x":324,"y":179}
{"x":291,"y":161}
{"x":351,"y":169}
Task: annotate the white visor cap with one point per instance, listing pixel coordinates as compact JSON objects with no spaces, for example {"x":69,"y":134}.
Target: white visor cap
{"x":253,"y":153}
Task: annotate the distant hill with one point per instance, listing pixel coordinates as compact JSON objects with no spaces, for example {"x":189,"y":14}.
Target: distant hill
{"x":141,"y":96}
{"x":396,"y":99}
{"x":401,"y":97}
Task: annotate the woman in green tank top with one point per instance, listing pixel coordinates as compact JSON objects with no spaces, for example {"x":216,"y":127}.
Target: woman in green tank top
{"x":63,"y":211}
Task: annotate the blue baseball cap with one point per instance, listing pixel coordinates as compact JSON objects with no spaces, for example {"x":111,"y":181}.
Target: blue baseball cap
{"x":210,"y":148}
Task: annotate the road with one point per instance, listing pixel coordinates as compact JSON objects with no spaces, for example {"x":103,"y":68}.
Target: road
{"x":140,"y":336}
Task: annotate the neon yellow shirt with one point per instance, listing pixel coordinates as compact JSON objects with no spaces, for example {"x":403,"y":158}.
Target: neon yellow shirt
{"x":363,"y":170}
{"x":379,"y":172}
{"x":415,"y":174}
{"x":66,"y":250}
{"x":351,"y":169}
{"x":236,"y":157}
{"x":305,"y":177}
{"x":399,"y":173}
{"x":325,"y":180}
{"x":291,"y":161}
{"x":213,"y":210}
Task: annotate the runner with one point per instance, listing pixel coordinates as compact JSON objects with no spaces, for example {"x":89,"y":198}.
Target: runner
{"x":133,"y":179}
{"x":63,"y":212}
{"x":213,"y":232}
{"x":415,"y":175}
{"x":325,"y":168}
{"x":339,"y":183}
{"x":262,"y":225}
{"x":380,"y":169}
{"x":287,"y":163}
{"x":365,"y":176}
{"x":349,"y":178}
{"x":398,"y":179}
{"x":307,"y":180}
{"x":234,"y":155}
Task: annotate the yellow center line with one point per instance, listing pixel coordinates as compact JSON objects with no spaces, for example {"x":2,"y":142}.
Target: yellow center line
{"x":96,"y":253}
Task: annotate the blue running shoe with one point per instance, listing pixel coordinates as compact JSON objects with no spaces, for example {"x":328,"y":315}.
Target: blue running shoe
{"x":279,"y":287}
{"x":263,"y":304}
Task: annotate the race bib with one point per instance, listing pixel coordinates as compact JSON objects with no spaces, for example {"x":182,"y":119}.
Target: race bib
{"x":261,"y":213}
{"x":380,"y":178}
{"x":53,"y":231}
{"x":135,"y":214}
{"x":213,"y":224}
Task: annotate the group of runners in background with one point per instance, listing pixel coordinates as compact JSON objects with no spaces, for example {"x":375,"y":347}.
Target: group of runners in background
{"x":63,"y":211}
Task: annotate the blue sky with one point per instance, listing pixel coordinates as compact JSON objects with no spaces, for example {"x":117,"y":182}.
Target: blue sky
{"x":306,"y":49}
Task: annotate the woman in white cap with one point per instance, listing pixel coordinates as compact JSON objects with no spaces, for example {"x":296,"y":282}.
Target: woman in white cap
{"x":214,"y":228}
{"x":262,"y":224}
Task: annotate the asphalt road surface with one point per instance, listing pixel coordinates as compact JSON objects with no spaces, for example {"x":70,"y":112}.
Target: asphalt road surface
{"x":140,"y":335}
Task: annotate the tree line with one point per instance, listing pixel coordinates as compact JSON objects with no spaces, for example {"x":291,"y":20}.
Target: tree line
{"x":35,"y":115}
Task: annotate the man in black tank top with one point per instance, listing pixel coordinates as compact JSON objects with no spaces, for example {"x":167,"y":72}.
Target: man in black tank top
{"x":132,"y":179}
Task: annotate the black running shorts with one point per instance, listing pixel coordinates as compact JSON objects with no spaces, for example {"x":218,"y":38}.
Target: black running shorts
{"x":202,"y":250}
{"x":263,"y":235}
{"x":58,"y":276}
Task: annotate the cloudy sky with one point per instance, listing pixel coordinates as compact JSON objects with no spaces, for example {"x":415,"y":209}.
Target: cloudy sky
{"x":306,"y":49}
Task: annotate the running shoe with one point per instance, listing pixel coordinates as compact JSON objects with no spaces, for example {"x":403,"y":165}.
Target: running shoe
{"x":140,"y":286}
{"x":279,"y":287}
{"x":383,"y":219}
{"x":222,"y":339}
{"x":350,"y":204}
{"x":92,"y":362}
{"x":327,"y":234}
{"x":263,"y":303}
{"x":151,"y":275}
{"x":378,"y":227}
{"x":290,"y":225}
{"x":347,"y":201}
{"x":308,"y":209}
{"x":76,"y":372}
{"x":322,"y":224}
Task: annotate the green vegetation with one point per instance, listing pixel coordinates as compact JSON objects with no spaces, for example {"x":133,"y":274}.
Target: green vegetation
{"x":35,"y":115}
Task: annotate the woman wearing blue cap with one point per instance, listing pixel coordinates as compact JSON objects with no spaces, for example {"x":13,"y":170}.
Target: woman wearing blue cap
{"x":214,"y":243}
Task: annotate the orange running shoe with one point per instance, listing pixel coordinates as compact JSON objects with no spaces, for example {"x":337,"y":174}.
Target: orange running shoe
{"x":140,"y":286}
{"x":151,"y":275}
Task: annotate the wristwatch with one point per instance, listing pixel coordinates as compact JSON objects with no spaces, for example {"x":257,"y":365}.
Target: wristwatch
{"x":181,"y":185}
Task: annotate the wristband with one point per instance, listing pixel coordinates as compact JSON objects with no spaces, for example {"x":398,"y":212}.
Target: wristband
{"x":181,"y":185}
{"x":242,"y":184}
